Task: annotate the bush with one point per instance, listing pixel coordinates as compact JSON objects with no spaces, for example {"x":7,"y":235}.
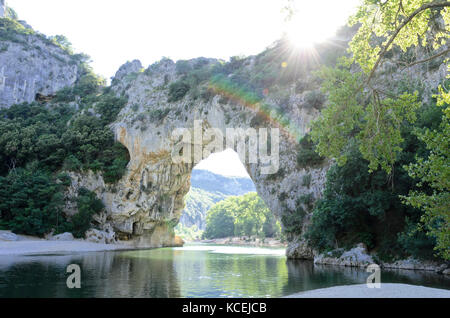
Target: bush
{"x":31,"y":202}
{"x":88,"y":205}
{"x":315,"y":99}
{"x":306,"y":155}
{"x":306,"y":182}
{"x":178,"y":90}
{"x":293,"y":221}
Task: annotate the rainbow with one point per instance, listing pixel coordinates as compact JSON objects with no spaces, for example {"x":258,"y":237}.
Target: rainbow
{"x":225,"y":87}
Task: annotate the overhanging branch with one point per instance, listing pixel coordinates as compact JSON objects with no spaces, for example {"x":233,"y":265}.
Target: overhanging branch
{"x":399,"y":28}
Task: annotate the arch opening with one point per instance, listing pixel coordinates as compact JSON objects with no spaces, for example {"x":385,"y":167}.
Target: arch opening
{"x":223,"y":206}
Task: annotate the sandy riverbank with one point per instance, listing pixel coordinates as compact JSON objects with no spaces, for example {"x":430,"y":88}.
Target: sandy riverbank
{"x":254,"y":242}
{"x":386,"y":291}
{"x":39,"y":247}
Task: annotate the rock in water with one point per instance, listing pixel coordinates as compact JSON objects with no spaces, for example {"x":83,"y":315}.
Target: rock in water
{"x":356,"y":257}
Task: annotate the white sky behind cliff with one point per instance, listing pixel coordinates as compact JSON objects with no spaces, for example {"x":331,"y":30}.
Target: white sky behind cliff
{"x":113,"y":32}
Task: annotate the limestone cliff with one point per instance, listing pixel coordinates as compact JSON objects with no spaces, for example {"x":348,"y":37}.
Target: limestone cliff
{"x":150,"y":197}
{"x":146,"y":204}
{"x":31,"y":65}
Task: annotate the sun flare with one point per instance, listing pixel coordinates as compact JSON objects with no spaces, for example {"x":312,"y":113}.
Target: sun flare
{"x":305,"y":30}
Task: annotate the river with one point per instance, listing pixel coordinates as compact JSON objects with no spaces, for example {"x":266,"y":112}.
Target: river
{"x":190,"y":271}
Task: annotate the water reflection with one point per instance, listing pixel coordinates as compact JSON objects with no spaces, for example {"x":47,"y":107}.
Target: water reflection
{"x":203,"y":271}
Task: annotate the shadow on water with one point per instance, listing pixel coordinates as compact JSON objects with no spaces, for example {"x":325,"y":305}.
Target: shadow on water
{"x":185,"y":272}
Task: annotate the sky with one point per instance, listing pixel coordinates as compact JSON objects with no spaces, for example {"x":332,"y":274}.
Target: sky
{"x":113,"y":32}
{"x":226,"y":163}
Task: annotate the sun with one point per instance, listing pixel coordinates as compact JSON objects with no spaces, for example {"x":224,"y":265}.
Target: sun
{"x":301,"y":38}
{"x":304,"y":31}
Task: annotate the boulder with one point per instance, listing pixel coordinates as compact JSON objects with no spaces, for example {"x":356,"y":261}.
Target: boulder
{"x":62,"y":237}
{"x":356,"y":257}
{"x":100,"y":237}
{"x":298,"y":249}
{"x":8,"y":236}
{"x":415,"y":264}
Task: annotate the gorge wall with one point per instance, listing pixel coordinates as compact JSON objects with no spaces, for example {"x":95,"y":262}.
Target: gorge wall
{"x":146,"y":204}
{"x":30,"y":64}
{"x":149,"y":198}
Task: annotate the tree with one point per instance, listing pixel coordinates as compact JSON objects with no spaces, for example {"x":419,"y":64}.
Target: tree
{"x":241,"y":215}
{"x":435,"y":172}
{"x":220,"y":220}
{"x":250,"y":215}
{"x":362,"y":109}
{"x":31,"y":202}
{"x":88,"y":204}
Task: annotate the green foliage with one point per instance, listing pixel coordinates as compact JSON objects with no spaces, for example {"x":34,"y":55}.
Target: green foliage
{"x":434,"y":171}
{"x":199,"y":201}
{"x":315,"y":99}
{"x":38,"y":132}
{"x":10,"y":30}
{"x":359,"y":206}
{"x":188,"y":233}
{"x":380,"y":20}
{"x":11,"y":13}
{"x":306,"y":182}
{"x":238,"y":216}
{"x":375,"y":119}
{"x":293,"y":221}
{"x":178,"y":90}
{"x":63,"y":42}
{"x":220,"y":220}
{"x":306,"y":154}
{"x":31,"y":202}
{"x":88,"y":205}
{"x":37,"y":141}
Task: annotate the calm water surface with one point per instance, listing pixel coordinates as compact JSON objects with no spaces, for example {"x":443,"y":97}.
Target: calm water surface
{"x":191,"y":271}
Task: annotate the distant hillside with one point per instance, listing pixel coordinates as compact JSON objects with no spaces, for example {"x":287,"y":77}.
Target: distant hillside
{"x":211,"y":182}
{"x":207,"y":189}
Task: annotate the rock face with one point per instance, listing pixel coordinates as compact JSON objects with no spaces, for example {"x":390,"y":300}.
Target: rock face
{"x":414,"y":264}
{"x":146,"y":204}
{"x":356,"y":257}
{"x":31,"y":65}
{"x":299,"y":249}
{"x":102,"y":237}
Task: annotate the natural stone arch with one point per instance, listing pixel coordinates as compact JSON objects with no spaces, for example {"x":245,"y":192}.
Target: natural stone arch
{"x":147,"y":202}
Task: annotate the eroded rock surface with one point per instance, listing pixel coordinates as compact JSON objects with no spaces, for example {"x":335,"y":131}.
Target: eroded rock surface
{"x":31,"y":65}
{"x":147,"y":202}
